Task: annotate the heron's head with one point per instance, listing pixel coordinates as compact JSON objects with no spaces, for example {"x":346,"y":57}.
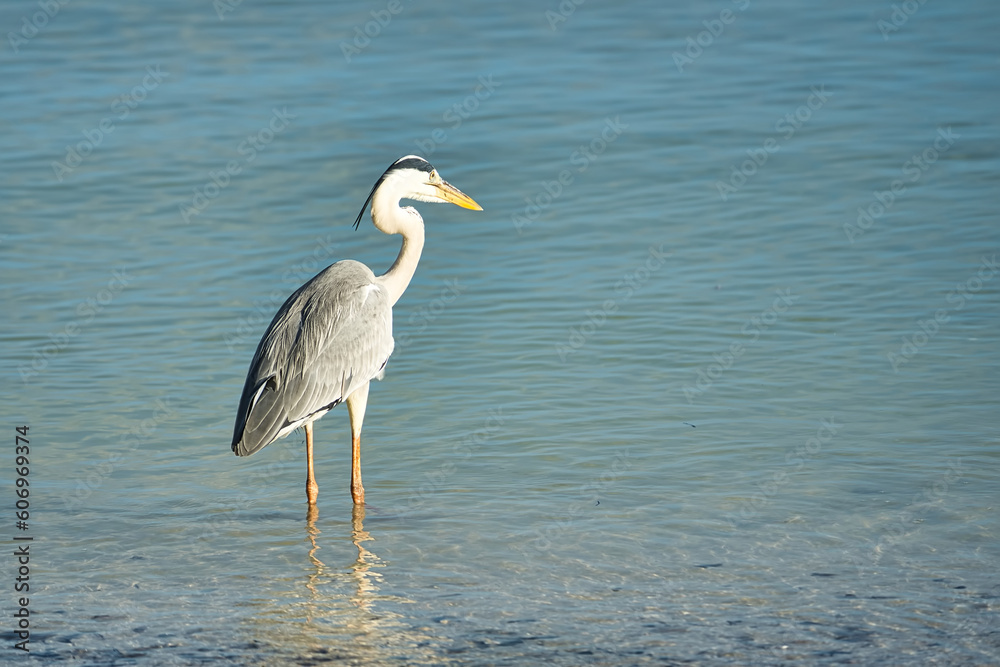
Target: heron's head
{"x":413,"y":177}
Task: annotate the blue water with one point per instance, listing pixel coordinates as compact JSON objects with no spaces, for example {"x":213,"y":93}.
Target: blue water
{"x":711,"y":380}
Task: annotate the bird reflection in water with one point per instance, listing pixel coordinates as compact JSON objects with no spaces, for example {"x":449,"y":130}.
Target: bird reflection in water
{"x":346,"y":601}
{"x":362,"y":571}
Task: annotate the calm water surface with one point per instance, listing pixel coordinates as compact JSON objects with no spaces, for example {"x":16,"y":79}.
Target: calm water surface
{"x":712,"y":379}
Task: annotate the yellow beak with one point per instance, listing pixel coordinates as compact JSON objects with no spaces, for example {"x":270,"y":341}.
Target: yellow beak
{"x":450,"y":193}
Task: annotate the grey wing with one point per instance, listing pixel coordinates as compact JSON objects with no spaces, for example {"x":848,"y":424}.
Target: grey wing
{"x":330,"y":337}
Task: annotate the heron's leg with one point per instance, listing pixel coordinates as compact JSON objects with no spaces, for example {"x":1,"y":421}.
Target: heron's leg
{"x":312,"y":490}
{"x":356,"y":404}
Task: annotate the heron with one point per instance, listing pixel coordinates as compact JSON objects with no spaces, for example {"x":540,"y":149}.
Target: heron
{"x":333,"y":335}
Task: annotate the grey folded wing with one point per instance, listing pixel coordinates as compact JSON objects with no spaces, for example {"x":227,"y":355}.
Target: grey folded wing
{"x":329,"y":338}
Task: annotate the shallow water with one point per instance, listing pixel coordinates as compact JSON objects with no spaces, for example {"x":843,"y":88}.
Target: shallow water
{"x":668,"y":399}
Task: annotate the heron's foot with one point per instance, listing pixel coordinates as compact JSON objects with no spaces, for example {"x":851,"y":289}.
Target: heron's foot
{"x":312,"y":492}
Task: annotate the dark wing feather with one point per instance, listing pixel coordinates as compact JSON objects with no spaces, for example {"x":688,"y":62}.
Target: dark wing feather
{"x":330,"y":337}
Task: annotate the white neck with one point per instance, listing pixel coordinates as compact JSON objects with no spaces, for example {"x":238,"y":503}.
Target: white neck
{"x":391,"y":219}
